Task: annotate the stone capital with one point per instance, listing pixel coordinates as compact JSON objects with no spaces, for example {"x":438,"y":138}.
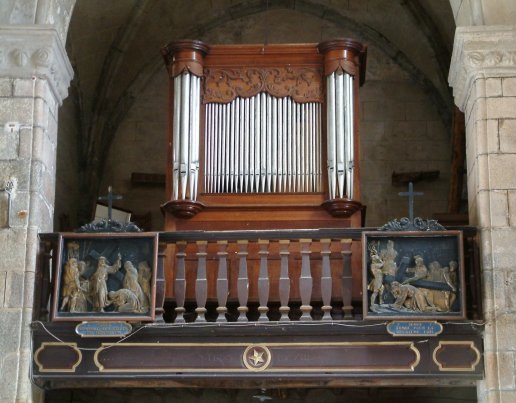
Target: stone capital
{"x":35,"y":51}
{"x":481,"y":51}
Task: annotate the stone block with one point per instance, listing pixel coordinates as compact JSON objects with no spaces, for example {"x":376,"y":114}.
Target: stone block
{"x":477,"y":111}
{"x":18,"y":170}
{"x":5,"y":199}
{"x":491,"y":368}
{"x":499,"y":208}
{"x":24,"y":392}
{"x":503,"y":241}
{"x":493,"y":87}
{"x":14,"y":287}
{"x":32,"y":245}
{"x":492,"y":136}
{"x":506,"y":396}
{"x":24,"y":87}
{"x":41,"y":113}
{"x":509,"y":86}
{"x":486,"y":249}
{"x":488,"y":294}
{"x":9,"y":331}
{"x":25,"y":143}
{"x":3,"y":276}
{"x":510,"y":289}
{"x":9,"y":144}
{"x":16,"y":110}
{"x":500,"y":293}
{"x":483,"y":173}
{"x":18,"y":215}
{"x":501,"y":108}
{"x":9,"y":378}
{"x":6,"y":87}
{"x":13,"y":247}
{"x":500,"y":171}
{"x":28,"y":293}
{"x":512,"y":208}
{"x":41,"y":214}
{"x":480,"y":85}
{"x":507,"y":134}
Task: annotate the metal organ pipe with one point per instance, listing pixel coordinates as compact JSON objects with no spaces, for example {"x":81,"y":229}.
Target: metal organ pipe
{"x":340,"y":134}
{"x":263,"y":144}
{"x":186,"y":130}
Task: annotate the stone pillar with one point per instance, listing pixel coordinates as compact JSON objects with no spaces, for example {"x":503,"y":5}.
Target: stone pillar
{"x":483,"y":77}
{"x":34,"y":76}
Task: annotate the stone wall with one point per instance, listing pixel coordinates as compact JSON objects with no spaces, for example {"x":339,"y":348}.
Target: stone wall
{"x":34,"y":77}
{"x":483,"y":76}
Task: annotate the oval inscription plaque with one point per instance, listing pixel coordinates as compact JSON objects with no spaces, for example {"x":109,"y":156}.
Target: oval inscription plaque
{"x":103,"y":329}
{"x":414,"y":328}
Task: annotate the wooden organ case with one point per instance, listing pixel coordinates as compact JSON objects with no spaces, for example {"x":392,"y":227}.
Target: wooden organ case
{"x":263,"y":137}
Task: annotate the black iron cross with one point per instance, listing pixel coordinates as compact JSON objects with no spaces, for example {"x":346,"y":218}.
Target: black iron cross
{"x":410,"y":194}
{"x":110,"y":197}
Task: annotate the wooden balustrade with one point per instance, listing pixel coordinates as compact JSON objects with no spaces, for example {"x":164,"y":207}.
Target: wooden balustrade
{"x":256,"y":275}
{"x":273,"y":278}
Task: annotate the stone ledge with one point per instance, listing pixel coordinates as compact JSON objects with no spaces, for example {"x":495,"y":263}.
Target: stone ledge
{"x":35,"y":51}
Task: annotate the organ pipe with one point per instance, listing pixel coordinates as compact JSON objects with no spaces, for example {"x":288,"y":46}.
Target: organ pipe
{"x":263,"y":145}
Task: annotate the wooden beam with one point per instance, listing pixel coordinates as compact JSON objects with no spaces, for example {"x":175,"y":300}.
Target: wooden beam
{"x":403,"y":178}
{"x":457,"y":163}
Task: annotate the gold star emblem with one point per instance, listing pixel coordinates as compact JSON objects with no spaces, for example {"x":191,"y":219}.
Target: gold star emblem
{"x":257,"y":358}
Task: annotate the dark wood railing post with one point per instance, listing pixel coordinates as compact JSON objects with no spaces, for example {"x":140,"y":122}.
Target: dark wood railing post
{"x":160,"y":284}
{"x":347,"y":279}
{"x":180,"y":281}
{"x":222,"y":281}
{"x":243,"y":281}
{"x":263,"y":281}
{"x":284,"y":280}
{"x":43,"y":285}
{"x":305,"y":280}
{"x":201,"y":282}
{"x":326,"y":282}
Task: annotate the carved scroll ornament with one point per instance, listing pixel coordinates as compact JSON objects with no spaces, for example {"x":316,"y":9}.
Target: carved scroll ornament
{"x":303,"y":84}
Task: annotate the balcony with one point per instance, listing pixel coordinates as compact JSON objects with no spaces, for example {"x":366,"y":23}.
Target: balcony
{"x":265,"y":307}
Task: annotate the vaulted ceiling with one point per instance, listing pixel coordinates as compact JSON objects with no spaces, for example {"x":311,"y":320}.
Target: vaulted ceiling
{"x":114,"y":47}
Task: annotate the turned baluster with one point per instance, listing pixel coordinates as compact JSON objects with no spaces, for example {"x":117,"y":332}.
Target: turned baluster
{"x":243,"y":281}
{"x":222,"y":281}
{"x":201,"y":282}
{"x":305,"y":280}
{"x":326,"y":282}
{"x":180,"y":281}
{"x":347,"y":279}
{"x":263,"y":281}
{"x":284,"y":280}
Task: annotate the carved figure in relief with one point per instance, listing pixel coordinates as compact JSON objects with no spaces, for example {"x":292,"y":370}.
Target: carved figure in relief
{"x":450,"y":278}
{"x":376,"y":284}
{"x":410,"y":297}
{"x":144,"y":279}
{"x":99,"y":283}
{"x":125,"y":300}
{"x":73,"y":250}
{"x":388,"y":255}
{"x":420,"y":270}
{"x":71,"y":283}
{"x":131,"y":281}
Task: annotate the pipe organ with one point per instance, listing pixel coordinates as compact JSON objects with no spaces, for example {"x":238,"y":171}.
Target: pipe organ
{"x":261,"y":134}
